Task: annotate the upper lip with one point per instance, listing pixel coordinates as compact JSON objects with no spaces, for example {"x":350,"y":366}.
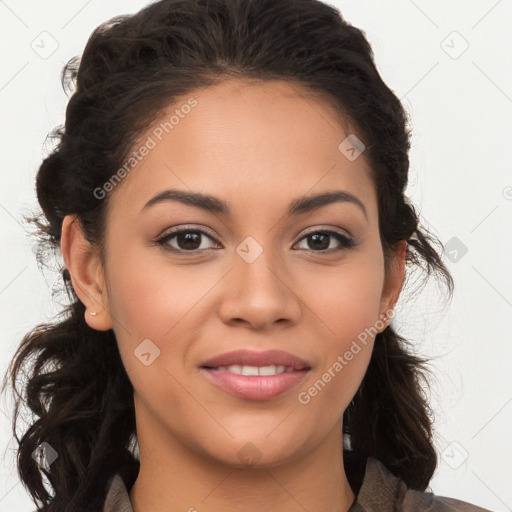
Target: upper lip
{"x":253,"y":358}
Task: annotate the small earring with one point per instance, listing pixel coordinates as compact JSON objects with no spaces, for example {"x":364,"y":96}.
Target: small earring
{"x":93,"y":313}
{"x":384,"y":321}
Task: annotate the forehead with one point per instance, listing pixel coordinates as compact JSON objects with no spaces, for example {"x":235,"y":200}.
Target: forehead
{"x":250,"y":141}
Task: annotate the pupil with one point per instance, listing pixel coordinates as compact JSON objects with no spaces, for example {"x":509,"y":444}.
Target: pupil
{"x":188,"y":238}
{"x":324,"y":245}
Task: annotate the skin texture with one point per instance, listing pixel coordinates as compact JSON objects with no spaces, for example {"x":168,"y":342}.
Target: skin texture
{"x":258,"y":146}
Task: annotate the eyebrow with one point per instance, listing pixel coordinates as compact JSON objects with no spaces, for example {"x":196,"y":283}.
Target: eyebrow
{"x":213,"y":204}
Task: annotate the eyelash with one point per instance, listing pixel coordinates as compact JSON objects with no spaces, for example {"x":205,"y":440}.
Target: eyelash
{"x":345,"y":241}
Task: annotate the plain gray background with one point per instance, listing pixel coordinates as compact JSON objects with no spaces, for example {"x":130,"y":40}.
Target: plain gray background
{"x":450,"y":65}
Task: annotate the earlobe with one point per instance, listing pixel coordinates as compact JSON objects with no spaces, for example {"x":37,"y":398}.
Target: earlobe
{"x":87,"y":276}
{"x":393,"y":284}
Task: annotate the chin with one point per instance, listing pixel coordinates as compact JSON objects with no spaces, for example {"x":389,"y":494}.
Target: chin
{"x":256,"y":452}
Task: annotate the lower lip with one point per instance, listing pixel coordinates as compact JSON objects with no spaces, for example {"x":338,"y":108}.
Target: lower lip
{"x":262,"y":387}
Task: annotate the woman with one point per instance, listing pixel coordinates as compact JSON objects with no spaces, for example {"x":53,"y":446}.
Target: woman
{"x":228,"y":198}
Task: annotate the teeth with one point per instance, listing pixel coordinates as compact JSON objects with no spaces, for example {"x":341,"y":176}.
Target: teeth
{"x":271,"y":370}
{"x":254,"y":371}
{"x":249,"y":370}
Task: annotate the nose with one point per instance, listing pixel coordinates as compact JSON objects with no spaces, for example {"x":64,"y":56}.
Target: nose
{"x":259,"y":294}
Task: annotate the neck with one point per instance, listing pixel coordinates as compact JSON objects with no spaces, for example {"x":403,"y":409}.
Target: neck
{"x":178,"y":478}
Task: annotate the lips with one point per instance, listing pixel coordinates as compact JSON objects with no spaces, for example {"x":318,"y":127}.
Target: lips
{"x":255,"y":375}
{"x":259,"y":359}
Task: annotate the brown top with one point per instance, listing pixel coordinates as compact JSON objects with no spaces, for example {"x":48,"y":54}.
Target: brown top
{"x":381,"y":491}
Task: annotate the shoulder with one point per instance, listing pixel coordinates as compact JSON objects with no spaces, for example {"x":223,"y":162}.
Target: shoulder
{"x":382,"y":491}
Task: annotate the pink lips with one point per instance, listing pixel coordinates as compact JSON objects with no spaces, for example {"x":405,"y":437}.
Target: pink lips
{"x":251,"y":358}
{"x":255,"y":387}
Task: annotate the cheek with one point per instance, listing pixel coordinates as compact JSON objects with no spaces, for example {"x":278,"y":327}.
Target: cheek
{"x":349,"y":312}
{"x":157,"y":302}
{"x":346,"y":301}
{"x":150,"y":298}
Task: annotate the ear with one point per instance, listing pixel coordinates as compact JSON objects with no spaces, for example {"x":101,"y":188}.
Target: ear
{"x":87,"y":274}
{"x":393,"y":283}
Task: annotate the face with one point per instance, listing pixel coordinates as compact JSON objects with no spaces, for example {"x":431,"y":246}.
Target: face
{"x":185,"y":284}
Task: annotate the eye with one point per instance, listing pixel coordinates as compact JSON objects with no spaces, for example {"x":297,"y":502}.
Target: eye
{"x":319,"y":241}
{"x":187,"y":240}
{"x":190,"y":241}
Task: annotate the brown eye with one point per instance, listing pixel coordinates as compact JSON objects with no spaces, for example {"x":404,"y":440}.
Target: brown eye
{"x":320,"y":241}
{"x":193,"y":241}
{"x":185,"y":240}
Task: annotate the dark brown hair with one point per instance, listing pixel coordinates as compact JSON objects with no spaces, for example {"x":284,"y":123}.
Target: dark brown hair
{"x":132,"y":68}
